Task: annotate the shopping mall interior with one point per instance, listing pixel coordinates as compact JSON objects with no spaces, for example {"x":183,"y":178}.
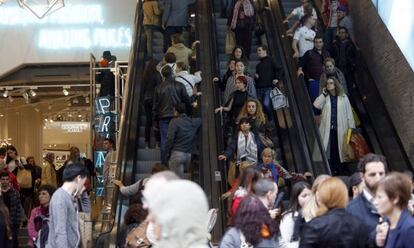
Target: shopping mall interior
{"x":58,"y":55}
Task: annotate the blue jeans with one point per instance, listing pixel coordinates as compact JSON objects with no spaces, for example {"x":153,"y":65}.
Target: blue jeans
{"x":313,"y":89}
{"x":329,"y":37}
{"x":179,"y":161}
{"x":263,"y":95}
{"x":164,"y":122}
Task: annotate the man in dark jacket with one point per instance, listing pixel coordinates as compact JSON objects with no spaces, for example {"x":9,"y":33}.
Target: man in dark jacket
{"x":344,"y":53}
{"x":166,"y":96}
{"x":267,"y":75}
{"x":174,"y":18}
{"x":180,"y":139}
{"x":11,"y":199}
{"x":372,"y":167}
{"x":311,"y":67}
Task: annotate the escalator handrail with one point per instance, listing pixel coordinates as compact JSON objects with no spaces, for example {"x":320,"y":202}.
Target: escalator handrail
{"x":300,"y":93}
{"x":359,"y":83}
{"x":128,"y":117}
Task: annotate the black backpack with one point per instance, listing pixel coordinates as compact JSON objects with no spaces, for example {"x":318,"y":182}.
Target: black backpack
{"x":43,"y":234}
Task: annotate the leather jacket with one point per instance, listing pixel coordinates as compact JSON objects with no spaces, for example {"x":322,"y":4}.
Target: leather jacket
{"x":167,"y":94}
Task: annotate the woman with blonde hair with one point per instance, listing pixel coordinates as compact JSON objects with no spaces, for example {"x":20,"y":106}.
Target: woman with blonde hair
{"x":310,"y":208}
{"x":336,"y":119}
{"x":333,"y":226}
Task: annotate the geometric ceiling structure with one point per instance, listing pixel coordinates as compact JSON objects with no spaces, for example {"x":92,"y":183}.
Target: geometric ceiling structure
{"x":41,"y":8}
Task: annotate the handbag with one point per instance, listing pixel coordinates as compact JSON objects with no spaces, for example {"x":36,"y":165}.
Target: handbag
{"x":244,"y":243}
{"x":266,"y":141}
{"x":279,"y":100}
{"x":137,"y":237}
{"x":348,"y":154}
{"x":359,"y":145}
{"x":230,"y":42}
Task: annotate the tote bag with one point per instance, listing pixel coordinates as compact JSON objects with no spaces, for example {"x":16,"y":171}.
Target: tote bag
{"x":230,"y":42}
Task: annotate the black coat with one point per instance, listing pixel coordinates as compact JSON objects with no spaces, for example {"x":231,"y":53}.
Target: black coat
{"x":167,"y":94}
{"x":344,"y":54}
{"x":335,"y":229}
{"x":267,"y":70}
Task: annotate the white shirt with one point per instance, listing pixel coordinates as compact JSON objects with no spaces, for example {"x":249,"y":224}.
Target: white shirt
{"x":182,"y":76}
{"x":287,"y":225}
{"x":304,"y":36}
{"x":299,"y":12}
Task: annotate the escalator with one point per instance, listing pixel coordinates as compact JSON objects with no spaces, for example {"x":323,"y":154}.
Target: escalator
{"x":135,"y":159}
{"x":376,"y":124}
{"x":298,"y":138}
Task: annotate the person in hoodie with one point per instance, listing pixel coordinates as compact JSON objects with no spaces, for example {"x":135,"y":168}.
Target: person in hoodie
{"x":179,"y":215}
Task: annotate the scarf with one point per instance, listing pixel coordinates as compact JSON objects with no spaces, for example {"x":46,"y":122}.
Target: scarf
{"x":272,"y":168}
{"x":247,"y":8}
{"x":246,"y":147}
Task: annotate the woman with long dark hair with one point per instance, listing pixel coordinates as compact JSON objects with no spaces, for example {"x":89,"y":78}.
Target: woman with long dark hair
{"x":253,"y":226}
{"x":292,"y":219}
{"x":151,"y":79}
{"x":6,"y":234}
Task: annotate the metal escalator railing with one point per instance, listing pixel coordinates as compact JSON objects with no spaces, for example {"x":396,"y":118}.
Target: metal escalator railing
{"x":127,"y":144}
{"x":212,"y":173}
{"x":307,"y":135}
{"x":376,"y":122}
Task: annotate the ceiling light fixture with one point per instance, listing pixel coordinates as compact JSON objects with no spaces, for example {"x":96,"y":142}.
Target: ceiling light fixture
{"x":25,"y":95}
{"x":5,"y":93}
{"x":50,"y":107}
{"x":41,"y":10}
{"x":65,"y":92}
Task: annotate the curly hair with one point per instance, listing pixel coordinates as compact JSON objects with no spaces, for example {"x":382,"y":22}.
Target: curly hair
{"x":260,"y":116}
{"x":250,"y":219}
{"x":338,"y":87}
{"x":135,"y":214}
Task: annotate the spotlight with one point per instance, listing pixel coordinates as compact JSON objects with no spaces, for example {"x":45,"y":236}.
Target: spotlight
{"x":65,"y":92}
{"x":86,"y":99}
{"x":10,"y":99}
{"x":75,"y":101}
{"x":37,"y":109}
{"x":50,"y":107}
{"x":32,"y":93}
{"x":25,"y":95}
{"x":80,"y":116}
{"x":1,"y":115}
{"x":6,"y":93}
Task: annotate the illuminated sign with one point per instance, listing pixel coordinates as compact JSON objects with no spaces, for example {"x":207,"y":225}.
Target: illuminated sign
{"x":104,"y":128}
{"x":73,"y":27}
{"x":74,"y":127}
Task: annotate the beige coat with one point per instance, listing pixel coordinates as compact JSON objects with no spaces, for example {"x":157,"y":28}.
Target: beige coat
{"x":345,"y":120}
{"x":182,"y":53}
{"x":152,"y":13}
{"x":49,"y":175}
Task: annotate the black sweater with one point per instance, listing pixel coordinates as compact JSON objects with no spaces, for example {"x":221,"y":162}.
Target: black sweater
{"x":267,"y":71}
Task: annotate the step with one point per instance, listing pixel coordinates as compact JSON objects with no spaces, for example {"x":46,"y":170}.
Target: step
{"x":145,"y":166}
{"x":141,"y":142}
{"x":148,"y":154}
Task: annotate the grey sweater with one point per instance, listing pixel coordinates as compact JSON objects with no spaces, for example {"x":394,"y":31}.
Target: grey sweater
{"x":231,"y":239}
{"x":64,"y":220}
